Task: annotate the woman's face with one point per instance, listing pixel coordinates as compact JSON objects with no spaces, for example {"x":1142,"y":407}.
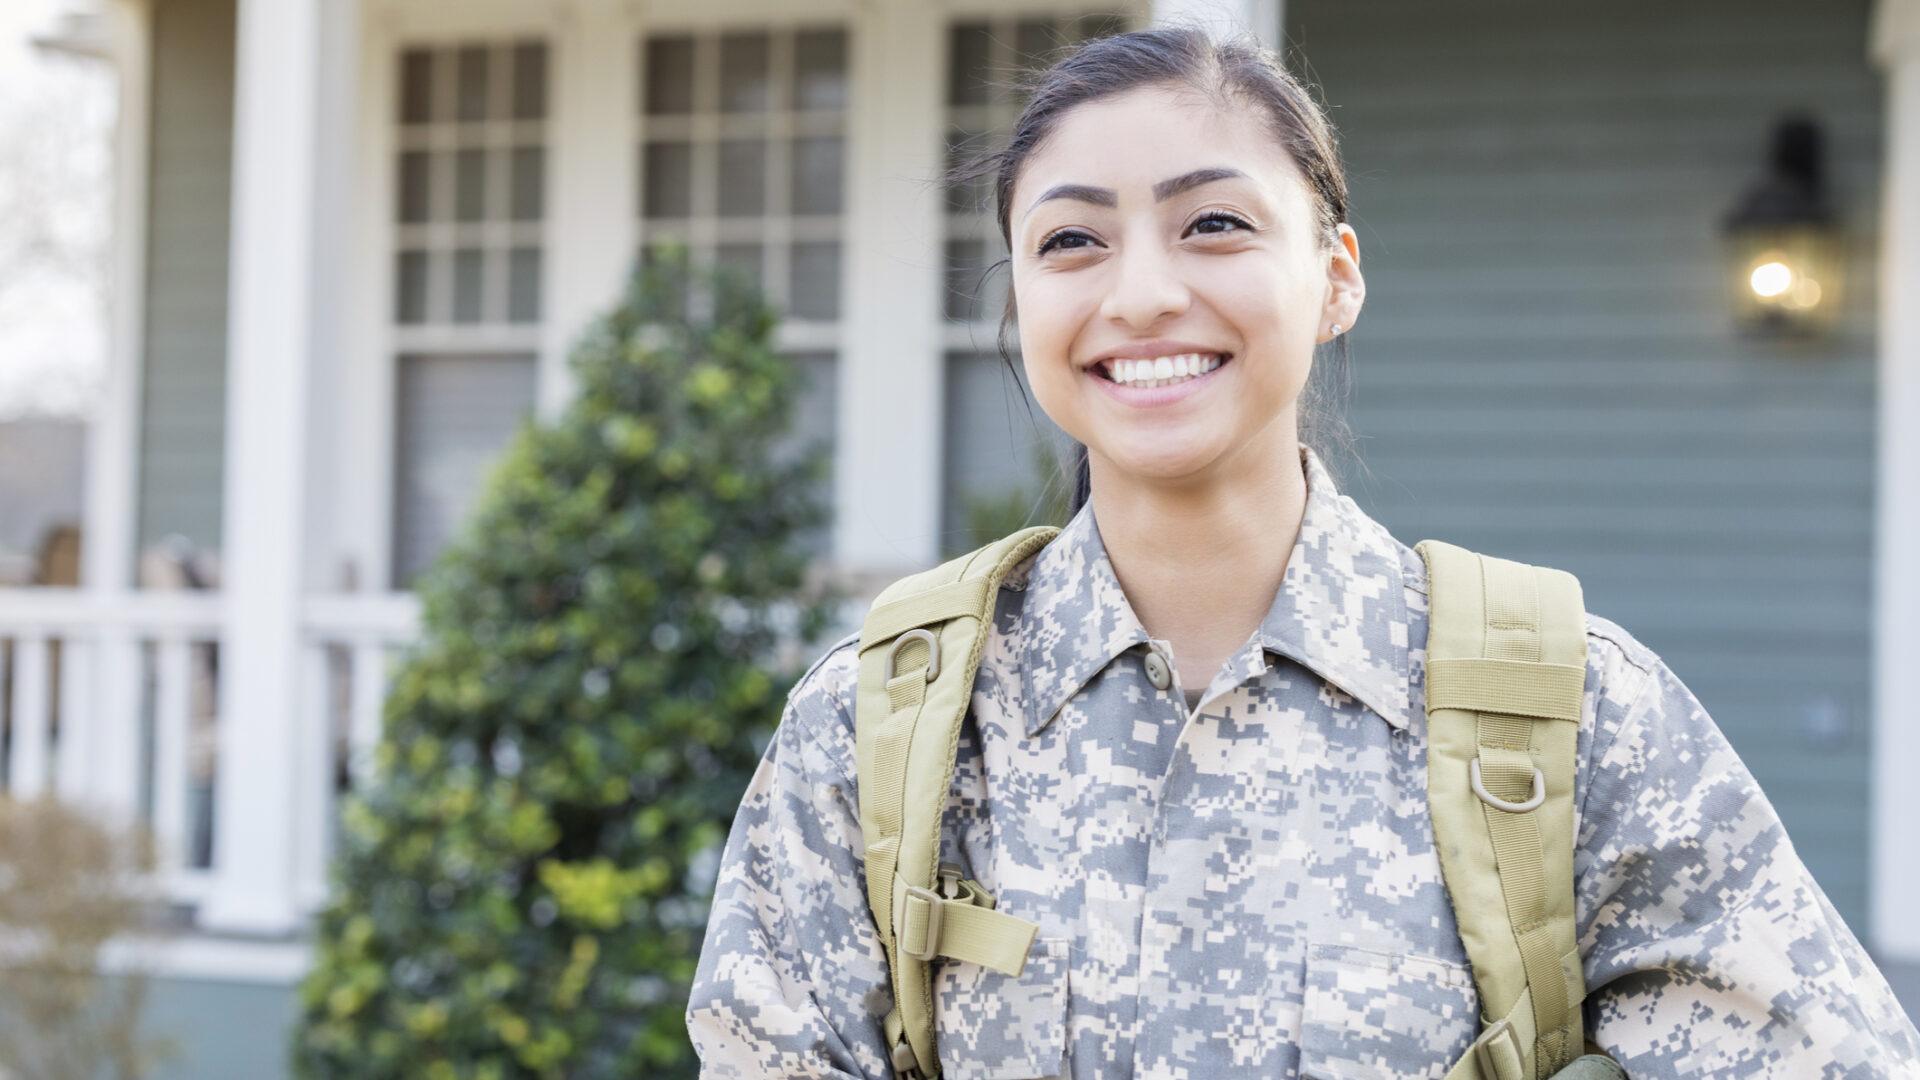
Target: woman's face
{"x":1160,"y":266}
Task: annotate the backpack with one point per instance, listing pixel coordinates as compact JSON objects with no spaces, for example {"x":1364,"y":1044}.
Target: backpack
{"x":1505,"y":676}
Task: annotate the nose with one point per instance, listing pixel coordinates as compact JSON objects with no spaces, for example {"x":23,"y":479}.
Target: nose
{"x":1146,"y":288}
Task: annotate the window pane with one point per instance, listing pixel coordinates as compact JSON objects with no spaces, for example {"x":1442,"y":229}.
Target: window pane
{"x":990,"y":447}
{"x":416,"y":86}
{"x":813,"y":423}
{"x":965,"y":261}
{"x":470,"y":185}
{"x":816,"y":174}
{"x":528,"y":167}
{"x":743,"y":177}
{"x":747,"y":260}
{"x":816,"y":280}
{"x":820,"y":69}
{"x":1033,"y":39}
{"x":523,"y":285}
{"x":530,"y":81}
{"x":968,"y":47}
{"x":669,"y":76}
{"x":473,"y":83}
{"x":454,"y":416}
{"x":666,"y":179}
{"x":410,"y":287}
{"x":415,"y":186}
{"x":743,"y":73}
{"x":468,"y":276}
{"x":1098,"y":24}
{"x":966,"y":198}
{"x":650,"y":256}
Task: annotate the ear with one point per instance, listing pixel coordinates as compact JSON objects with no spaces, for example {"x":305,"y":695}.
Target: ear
{"x":1346,"y":289}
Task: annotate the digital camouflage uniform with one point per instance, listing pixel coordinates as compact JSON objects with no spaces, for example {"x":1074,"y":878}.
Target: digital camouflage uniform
{"x":1253,"y":889}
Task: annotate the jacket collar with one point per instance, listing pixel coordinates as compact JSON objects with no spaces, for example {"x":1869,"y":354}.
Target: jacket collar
{"x":1340,"y":610}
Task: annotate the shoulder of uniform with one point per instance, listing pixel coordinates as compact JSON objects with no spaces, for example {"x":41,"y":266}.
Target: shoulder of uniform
{"x":1619,"y":665}
{"x":851,"y":640}
{"x":820,"y":705}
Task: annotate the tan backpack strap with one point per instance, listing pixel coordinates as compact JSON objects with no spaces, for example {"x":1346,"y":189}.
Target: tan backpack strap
{"x":1506,"y":672}
{"x":919,"y":649}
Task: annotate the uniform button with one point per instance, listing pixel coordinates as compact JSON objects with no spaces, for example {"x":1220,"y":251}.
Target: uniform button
{"x":1157,"y":672}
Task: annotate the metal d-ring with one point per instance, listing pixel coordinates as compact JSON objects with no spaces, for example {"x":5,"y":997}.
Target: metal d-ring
{"x":933,"y":651}
{"x":1539,"y":791}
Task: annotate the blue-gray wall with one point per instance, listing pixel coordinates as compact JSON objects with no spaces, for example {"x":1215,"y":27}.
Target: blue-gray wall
{"x":183,"y":392}
{"x":1545,"y":370}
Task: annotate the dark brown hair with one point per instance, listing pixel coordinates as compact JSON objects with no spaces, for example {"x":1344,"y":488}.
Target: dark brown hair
{"x":1236,"y":70}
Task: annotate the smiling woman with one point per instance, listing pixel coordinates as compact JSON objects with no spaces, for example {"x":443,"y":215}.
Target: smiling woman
{"x":1185,"y":823}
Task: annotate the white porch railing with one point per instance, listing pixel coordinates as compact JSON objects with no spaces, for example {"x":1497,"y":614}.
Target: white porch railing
{"x":111,"y":702}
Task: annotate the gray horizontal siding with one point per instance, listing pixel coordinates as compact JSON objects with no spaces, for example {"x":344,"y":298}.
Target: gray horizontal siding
{"x":183,"y":407}
{"x":1545,"y":368}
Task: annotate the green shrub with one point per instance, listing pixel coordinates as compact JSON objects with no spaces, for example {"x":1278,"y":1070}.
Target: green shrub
{"x":522,"y":889}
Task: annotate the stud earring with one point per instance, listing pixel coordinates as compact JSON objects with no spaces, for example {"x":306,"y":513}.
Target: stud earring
{"x":1336,"y":330}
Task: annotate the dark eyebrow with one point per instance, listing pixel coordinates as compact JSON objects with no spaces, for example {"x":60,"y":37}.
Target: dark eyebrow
{"x":1162,"y":191}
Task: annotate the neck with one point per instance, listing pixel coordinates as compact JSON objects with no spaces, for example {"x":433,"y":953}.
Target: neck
{"x":1200,"y":561}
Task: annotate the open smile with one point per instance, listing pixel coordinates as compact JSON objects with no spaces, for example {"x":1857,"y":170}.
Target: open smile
{"x":1163,"y":393}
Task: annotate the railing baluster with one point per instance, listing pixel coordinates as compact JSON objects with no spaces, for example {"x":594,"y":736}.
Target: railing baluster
{"x":73,"y":754}
{"x":369,"y":697}
{"x":313,"y":777}
{"x":27,"y":769}
{"x":173,"y":696}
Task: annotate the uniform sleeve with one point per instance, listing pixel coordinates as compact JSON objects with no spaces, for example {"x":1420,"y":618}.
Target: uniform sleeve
{"x":1709,"y":949}
{"x":791,"y":980}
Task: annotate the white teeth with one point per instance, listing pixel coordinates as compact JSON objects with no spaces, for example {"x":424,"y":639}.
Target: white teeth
{"x":1162,"y":370}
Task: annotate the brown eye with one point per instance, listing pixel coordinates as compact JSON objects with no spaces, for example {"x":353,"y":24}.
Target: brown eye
{"x":1220,"y":216}
{"x":1053,"y":240}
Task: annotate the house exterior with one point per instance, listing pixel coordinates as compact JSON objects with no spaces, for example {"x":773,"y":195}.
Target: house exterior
{"x":355,"y":239}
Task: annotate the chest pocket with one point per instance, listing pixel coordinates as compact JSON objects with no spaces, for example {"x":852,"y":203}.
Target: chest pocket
{"x":1370,"y":1013}
{"x":991,"y":1026}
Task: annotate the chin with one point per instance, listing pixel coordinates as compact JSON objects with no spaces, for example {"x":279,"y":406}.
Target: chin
{"x":1159,"y":465}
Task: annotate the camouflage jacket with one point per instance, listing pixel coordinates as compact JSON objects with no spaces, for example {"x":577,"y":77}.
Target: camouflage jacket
{"x":1252,"y":888}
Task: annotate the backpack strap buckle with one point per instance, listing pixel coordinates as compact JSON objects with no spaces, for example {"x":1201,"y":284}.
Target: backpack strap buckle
{"x":957,"y":920}
{"x":917,"y":937}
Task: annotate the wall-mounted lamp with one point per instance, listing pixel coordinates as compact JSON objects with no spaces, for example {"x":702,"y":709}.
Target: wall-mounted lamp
{"x":1784,"y":250}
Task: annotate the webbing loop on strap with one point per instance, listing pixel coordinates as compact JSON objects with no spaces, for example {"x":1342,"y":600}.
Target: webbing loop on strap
{"x":1510,"y":687}
{"x":1497,"y":1052}
{"x":942,"y":602}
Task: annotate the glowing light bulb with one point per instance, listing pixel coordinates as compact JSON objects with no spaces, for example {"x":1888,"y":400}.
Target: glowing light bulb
{"x":1770,"y":279}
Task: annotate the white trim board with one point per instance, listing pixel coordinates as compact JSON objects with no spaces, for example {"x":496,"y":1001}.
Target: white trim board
{"x":1895,"y":865}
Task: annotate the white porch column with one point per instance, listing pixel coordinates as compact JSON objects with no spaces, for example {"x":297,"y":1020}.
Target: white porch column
{"x":1264,"y":17}
{"x":590,"y":190}
{"x":1896,"y":751}
{"x":113,"y":440}
{"x":113,"y":432}
{"x":892,"y":379}
{"x":270,"y":325}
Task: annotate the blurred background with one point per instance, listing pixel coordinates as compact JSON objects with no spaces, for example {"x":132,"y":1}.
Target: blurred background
{"x":281,"y":279}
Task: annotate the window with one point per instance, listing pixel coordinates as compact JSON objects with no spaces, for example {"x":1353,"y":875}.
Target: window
{"x":469,"y":205}
{"x":742,"y":159}
{"x":989,"y":450}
